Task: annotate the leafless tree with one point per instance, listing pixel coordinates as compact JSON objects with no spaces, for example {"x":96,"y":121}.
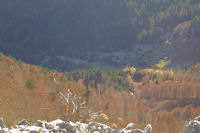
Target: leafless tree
{"x":76,"y":106}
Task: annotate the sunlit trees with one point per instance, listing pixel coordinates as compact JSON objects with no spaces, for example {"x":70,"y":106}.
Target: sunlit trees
{"x":165,"y":14}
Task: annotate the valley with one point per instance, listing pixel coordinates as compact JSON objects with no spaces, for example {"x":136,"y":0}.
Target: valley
{"x":105,"y":61}
{"x":166,"y":99}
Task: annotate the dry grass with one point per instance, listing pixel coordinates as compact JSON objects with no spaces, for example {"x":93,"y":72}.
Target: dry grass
{"x":167,"y":105}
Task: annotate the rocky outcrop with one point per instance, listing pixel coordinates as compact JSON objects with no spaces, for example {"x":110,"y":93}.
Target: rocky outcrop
{"x":24,"y":122}
{"x":193,"y":126}
{"x":2,"y":125}
{"x":59,"y":126}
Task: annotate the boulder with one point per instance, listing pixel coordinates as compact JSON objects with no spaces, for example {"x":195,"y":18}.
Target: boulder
{"x":62,"y":125}
{"x":59,"y":126}
{"x":65,"y":126}
{"x":91,"y":126}
{"x":116,"y":131}
{"x":148,"y":129}
{"x":53,"y":124}
{"x":130,"y":126}
{"x":193,"y":126}
{"x":2,"y":131}
{"x":137,"y":131}
{"x":33,"y":131}
{"x":24,"y":122}
{"x":58,"y":131}
{"x":197,"y":118}
{"x":2,"y":124}
{"x":40,"y":123}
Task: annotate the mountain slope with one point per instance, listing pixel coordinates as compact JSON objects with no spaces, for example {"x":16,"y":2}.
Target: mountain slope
{"x":37,"y":32}
{"x":163,"y":98}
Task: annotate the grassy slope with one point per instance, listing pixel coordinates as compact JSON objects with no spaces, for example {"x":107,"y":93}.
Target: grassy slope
{"x":166,"y":104}
{"x":17,"y":101}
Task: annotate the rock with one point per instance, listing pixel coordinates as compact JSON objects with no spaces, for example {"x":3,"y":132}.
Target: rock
{"x":197,"y":118}
{"x":2,"y":131}
{"x":115,"y":131}
{"x":58,"y":131}
{"x":59,"y":126}
{"x":62,"y":125}
{"x":130,"y":126}
{"x":65,"y":126}
{"x":91,"y":126}
{"x":2,"y":124}
{"x":53,"y":124}
{"x":24,"y":122}
{"x":34,"y":131}
{"x":40,"y":123}
{"x":137,"y":131}
{"x":193,"y":126}
{"x":148,"y":129}
{"x":98,"y":127}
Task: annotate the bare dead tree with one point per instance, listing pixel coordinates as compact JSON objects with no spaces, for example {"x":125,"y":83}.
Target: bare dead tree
{"x":76,"y":106}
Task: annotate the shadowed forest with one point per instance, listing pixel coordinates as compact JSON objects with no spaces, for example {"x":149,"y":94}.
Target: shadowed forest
{"x":130,"y":60}
{"x":69,"y":35}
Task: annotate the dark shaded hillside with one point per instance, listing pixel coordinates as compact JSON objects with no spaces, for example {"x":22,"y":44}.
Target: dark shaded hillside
{"x":37,"y":30}
{"x":63,"y":27}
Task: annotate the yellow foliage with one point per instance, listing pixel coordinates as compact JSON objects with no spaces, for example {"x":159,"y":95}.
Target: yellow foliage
{"x":131,"y":69}
{"x":163,"y":63}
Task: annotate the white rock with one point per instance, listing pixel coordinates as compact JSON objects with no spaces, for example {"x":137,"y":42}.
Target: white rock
{"x":2,"y":124}
{"x":137,"y":131}
{"x":193,"y":126}
{"x":59,"y":126}
{"x":148,"y":129}
{"x":40,"y":123}
{"x":130,"y":126}
{"x":197,"y":118}
{"x":23,"y":122}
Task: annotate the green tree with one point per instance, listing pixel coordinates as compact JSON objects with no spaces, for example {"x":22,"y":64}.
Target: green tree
{"x":1,"y":56}
{"x":63,"y":78}
{"x":30,"y":84}
{"x":19,"y":63}
{"x":87,"y":93}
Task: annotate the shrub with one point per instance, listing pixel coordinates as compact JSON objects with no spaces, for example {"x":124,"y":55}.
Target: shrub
{"x":32,"y":70}
{"x":19,"y":63}
{"x":51,"y":78}
{"x":87,"y":93}
{"x":63,"y":78}
{"x":131,"y":70}
{"x":162,"y":63}
{"x":138,"y":76}
{"x":30,"y":84}
{"x":194,"y":68}
{"x":45,"y":70}
{"x":106,"y":106}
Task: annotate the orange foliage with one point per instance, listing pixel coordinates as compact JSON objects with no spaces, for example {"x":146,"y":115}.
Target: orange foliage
{"x":166,"y":104}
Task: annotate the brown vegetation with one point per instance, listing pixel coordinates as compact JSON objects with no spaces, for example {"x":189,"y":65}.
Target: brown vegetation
{"x":164,"y":98}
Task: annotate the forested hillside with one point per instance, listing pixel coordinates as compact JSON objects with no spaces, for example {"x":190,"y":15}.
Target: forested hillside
{"x":153,"y":19}
{"x":166,"y":99}
{"x":39,"y":31}
{"x":121,"y":60}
